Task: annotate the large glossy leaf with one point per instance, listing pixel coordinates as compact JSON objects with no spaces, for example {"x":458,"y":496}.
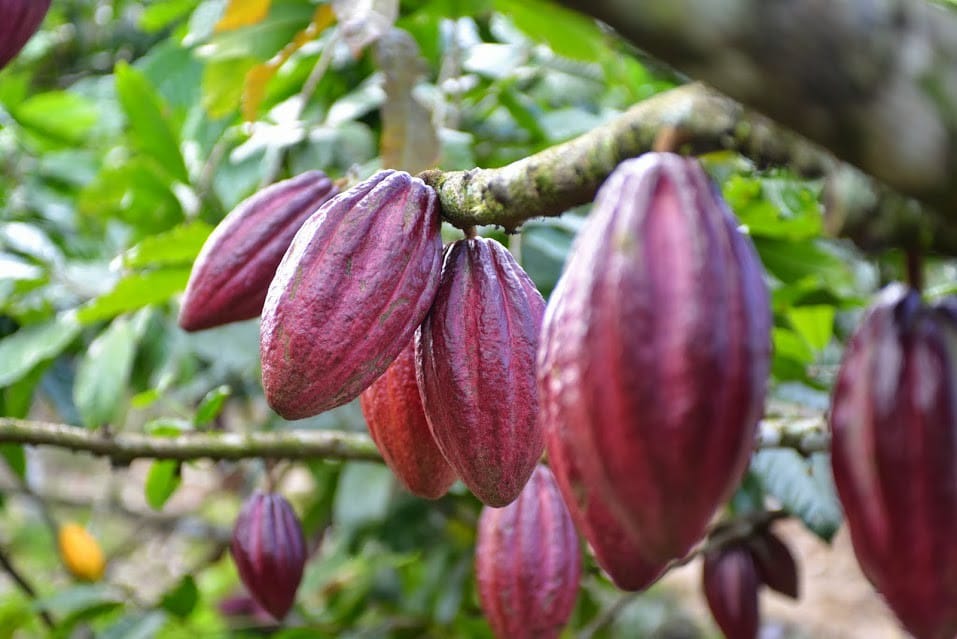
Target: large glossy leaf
{"x":803,"y":486}
{"x":31,"y":345}
{"x":134,"y":292}
{"x":103,"y":372}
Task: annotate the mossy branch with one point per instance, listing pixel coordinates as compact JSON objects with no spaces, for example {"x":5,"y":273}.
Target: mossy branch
{"x":805,"y":435}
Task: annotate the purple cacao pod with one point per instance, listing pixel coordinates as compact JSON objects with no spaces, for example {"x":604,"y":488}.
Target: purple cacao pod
{"x":730,"y":583}
{"x":893,"y":424}
{"x":19,"y":20}
{"x":775,"y":563}
{"x":357,"y":280}
{"x":475,"y":361}
{"x":614,"y":551}
{"x":269,"y":551}
{"x":393,"y":411}
{"x":528,"y":563}
{"x":239,"y":259}
{"x":655,"y":352}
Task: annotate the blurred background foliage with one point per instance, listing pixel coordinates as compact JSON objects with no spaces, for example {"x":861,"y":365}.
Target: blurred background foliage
{"x":129,"y":129}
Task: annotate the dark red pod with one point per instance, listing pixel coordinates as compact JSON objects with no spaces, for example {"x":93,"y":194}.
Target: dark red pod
{"x":357,"y":280}
{"x":893,"y":424}
{"x":233,"y":270}
{"x":269,"y":551}
{"x":777,"y":568}
{"x":528,"y":563}
{"x":655,"y":352}
{"x":730,"y":583}
{"x":393,"y":411}
{"x":475,"y":358}
{"x":19,"y":20}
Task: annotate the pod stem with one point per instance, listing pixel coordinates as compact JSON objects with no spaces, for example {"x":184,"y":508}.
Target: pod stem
{"x":915,"y":268}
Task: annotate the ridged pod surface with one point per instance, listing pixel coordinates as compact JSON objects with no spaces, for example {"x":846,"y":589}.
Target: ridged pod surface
{"x":776,"y":566}
{"x":893,"y":424}
{"x":730,"y":583}
{"x":233,"y":270}
{"x":393,"y":411}
{"x":527,"y":562}
{"x":475,"y":358}
{"x":655,"y":353}
{"x":357,"y":280}
{"x":269,"y":551}
{"x":20,"y":20}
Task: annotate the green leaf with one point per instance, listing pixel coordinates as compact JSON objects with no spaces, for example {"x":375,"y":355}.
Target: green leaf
{"x":211,"y":405}
{"x":803,"y":486}
{"x":162,"y":480}
{"x":58,"y":115}
{"x":134,"y":292}
{"x":16,"y":459}
{"x":814,"y":323}
{"x":176,"y":247}
{"x":567,"y":33}
{"x":33,"y":344}
{"x":167,"y":427}
{"x":159,"y":15}
{"x":223,"y":83}
{"x":137,"y":625}
{"x":103,"y":372}
{"x":181,"y":600}
{"x":149,"y":128}
{"x":363,"y":495}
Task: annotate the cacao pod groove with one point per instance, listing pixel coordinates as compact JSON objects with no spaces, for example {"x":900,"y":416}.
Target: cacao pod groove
{"x":20,"y":20}
{"x":655,"y":353}
{"x":528,"y":563}
{"x":393,"y":410}
{"x":730,"y":583}
{"x":893,"y":423}
{"x":232,"y":272}
{"x":269,"y":551}
{"x":475,"y":361}
{"x":358,"y":278}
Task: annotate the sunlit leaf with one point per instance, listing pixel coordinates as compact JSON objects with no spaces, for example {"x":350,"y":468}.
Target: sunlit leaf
{"x":103,"y":372}
{"x":176,"y":247}
{"x":162,"y":480}
{"x":134,"y":292}
{"x":242,"y":13}
{"x":33,"y":344}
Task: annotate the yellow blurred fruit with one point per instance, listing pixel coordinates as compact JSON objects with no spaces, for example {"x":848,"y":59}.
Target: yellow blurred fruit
{"x":81,"y":553}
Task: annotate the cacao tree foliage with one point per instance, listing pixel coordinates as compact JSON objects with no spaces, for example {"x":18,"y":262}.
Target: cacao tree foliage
{"x":128,"y":130}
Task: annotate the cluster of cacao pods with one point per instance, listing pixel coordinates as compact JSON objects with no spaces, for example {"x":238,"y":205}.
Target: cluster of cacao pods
{"x":733,"y":572}
{"x":19,"y":20}
{"x":893,"y":423}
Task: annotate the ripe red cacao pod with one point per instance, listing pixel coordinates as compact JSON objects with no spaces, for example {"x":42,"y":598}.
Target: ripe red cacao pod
{"x":730,"y":583}
{"x":893,"y":424}
{"x":614,"y":551}
{"x":239,"y":259}
{"x":776,"y":566}
{"x":393,"y":411}
{"x":269,"y":551}
{"x":475,"y":361}
{"x":528,"y":563}
{"x":19,"y":20}
{"x":655,"y":352}
{"x":357,"y":280}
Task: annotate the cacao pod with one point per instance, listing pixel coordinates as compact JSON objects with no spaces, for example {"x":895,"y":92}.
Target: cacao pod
{"x":269,"y":551}
{"x":614,"y":551}
{"x":655,"y":352}
{"x":233,"y":270}
{"x":775,"y":563}
{"x":527,"y":562}
{"x":893,"y":423}
{"x":730,"y":583}
{"x":393,"y":411}
{"x":19,"y":20}
{"x":80,"y":552}
{"x":475,"y":360}
{"x":357,"y":280}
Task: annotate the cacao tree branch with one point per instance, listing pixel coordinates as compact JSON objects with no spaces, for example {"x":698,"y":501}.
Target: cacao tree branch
{"x":806,"y":435}
{"x":873,"y":82}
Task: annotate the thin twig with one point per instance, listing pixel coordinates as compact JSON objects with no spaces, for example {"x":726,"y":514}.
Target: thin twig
{"x":25,"y":586}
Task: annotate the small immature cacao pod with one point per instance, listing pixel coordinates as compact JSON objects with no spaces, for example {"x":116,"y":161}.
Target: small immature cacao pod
{"x":655,"y":352}
{"x":239,"y":259}
{"x":776,"y":566}
{"x":19,"y":20}
{"x":80,"y":552}
{"x":357,"y":280}
{"x":730,"y":582}
{"x":893,"y":425}
{"x":527,"y":562}
{"x":269,"y":551}
{"x":393,"y":411}
{"x":475,"y":358}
